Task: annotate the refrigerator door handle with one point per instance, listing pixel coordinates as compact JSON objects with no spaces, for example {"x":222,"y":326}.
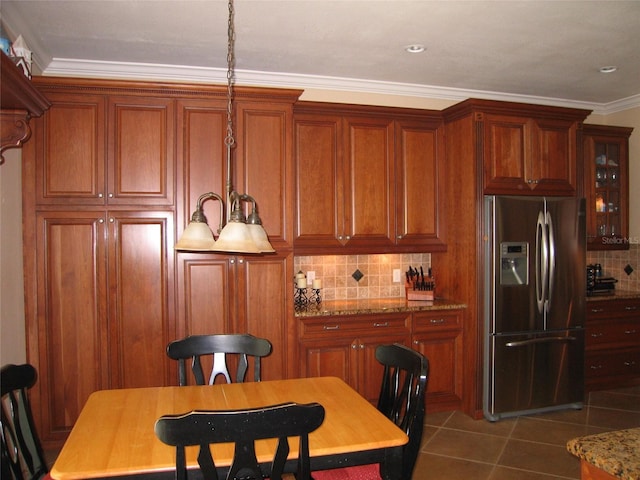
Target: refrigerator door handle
{"x":552,"y":260}
{"x":533,"y":341}
{"x":541,"y":262}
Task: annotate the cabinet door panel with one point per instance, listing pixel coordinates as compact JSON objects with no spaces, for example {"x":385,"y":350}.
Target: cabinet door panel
{"x":444,"y":351}
{"x":369,"y":181}
{"x":335,"y":357}
{"x":420,"y":182}
{"x":70,"y":140}
{"x":202,"y":158}
{"x":141,"y":151}
{"x":553,"y":165}
{"x":264,"y":167}
{"x":140,"y":284}
{"x":266,"y":301}
{"x":72,"y":353}
{"x":320,"y":200}
{"x":370,"y":371}
{"x":506,"y":147}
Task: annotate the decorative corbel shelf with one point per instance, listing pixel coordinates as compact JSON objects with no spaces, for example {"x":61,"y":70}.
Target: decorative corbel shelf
{"x":19,"y":101}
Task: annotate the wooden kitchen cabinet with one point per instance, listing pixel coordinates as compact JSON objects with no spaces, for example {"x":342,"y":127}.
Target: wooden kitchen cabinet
{"x":606,"y":186}
{"x":109,"y":183}
{"x":612,"y":344}
{"x":238,"y":294}
{"x":103,"y":315}
{"x":438,"y":335}
{"x":368,"y":179}
{"x":524,"y":155}
{"x":344,"y":346}
{"x":94,"y":149}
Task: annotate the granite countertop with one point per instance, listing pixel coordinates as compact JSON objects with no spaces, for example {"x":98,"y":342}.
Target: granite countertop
{"x":616,"y":295}
{"x":617,"y":452}
{"x":375,"y":305}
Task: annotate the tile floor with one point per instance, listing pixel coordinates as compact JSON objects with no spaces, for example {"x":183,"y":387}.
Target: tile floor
{"x":523,"y":448}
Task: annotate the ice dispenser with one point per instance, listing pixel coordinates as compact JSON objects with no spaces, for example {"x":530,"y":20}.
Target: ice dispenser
{"x":514,"y":263}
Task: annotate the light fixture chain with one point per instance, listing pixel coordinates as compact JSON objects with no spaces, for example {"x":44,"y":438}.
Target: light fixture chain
{"x":229,"y":140}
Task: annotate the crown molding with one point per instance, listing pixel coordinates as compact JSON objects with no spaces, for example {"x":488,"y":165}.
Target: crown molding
{"x":66,"y":67}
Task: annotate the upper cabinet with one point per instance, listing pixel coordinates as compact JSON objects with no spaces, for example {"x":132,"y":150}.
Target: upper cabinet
{"x":606,"y":186}
{"x":367,"y":179}
{"x":103,"y":150}
{"x":525,"y":149}
{"x":19,"y":101}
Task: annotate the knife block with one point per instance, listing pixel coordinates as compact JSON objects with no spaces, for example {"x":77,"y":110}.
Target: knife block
{"x":423,"y":295}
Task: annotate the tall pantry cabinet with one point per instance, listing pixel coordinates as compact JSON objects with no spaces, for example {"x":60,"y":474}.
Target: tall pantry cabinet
{"x":109,"y":182}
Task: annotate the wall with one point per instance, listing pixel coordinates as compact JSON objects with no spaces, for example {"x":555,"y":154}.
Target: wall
{"x":12,"y":331}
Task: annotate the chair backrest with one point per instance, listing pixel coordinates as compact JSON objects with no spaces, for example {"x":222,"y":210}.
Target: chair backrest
{"x":402,"y":396}
{"x":22,"y":454}
{"x":218,"y":346}
{"x":243,"y":428}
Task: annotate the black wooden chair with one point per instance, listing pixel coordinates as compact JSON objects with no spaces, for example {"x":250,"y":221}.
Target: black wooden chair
{"x":218,"y":347}
{"x":243,"y":428}
{"x":402,"y":400}
{"x":22,"y":454}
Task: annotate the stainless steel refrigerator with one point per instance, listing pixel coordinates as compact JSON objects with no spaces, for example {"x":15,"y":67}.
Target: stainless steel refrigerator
{"x":534,"y":304}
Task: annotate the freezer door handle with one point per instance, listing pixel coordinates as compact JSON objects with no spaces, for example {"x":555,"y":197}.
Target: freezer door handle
{"x":542,"y":262}
{"x":533,"y":341}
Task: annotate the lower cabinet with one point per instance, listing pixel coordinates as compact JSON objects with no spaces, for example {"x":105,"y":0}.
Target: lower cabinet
{"x":344,"y":346}
{"x":104,"y":312}
{"x":437,"y":334}
{"x":612,"y":344}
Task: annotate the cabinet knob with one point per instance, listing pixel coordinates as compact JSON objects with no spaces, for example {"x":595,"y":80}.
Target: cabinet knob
{"x":100,"y":195}
{"x":101,"y":220}
{"x":630,"y":332}
{"x":629,"y":364}
{"x":241,"y":261}
{"x":111,"y":195}
{"x":631,"y":308}
{"x":399,"y":237}
{"x":232,"y":261}
{"x":347,"y":237}
{"x":111,"y":220}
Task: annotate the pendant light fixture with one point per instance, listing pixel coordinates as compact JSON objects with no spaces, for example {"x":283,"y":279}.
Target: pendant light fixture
{"x":239,"y":234}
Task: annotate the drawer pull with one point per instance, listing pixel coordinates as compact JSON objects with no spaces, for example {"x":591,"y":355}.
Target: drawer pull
{"x":436,"y":321}
{"x":631,"y":308}
{"x":597,"y":310}
{"x":331,"y":327}
{"x":381,"y":324}
{"x":629,"y":364}
{"x":630,"y":332}
{"x":595,"y":367}
{"x":596,"y":335}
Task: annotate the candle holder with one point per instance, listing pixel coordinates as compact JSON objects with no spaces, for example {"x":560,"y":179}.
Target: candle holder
{"x":315,"y":296}
{"x":300,"y":300}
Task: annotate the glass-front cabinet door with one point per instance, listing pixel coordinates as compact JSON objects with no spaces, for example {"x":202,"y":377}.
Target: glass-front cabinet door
{"x":606,"y":186}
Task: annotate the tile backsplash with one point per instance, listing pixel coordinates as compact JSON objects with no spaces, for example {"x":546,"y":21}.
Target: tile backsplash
{"x":613,"y":265}
{"x":337,"y":274}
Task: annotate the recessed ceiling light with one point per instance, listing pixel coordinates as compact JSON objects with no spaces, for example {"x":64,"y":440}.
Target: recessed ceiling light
{"x":608,"y":69}
{"x":416,"y":48}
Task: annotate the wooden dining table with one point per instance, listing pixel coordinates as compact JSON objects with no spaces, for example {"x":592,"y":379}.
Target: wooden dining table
{"x":114,"y":434}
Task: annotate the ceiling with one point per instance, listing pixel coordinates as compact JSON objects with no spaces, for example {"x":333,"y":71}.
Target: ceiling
{"x":536,"y":51}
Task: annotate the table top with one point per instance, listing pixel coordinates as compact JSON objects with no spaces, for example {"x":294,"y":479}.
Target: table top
{"x":114,"y":434}
{"x":616,"y":452}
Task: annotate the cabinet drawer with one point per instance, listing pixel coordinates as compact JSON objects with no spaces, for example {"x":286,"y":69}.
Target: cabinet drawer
{"x":613,"y":363}
{"x":613,"y":308}
{"x":615,"y":333}
{"x":349,"y":324}
{"x":436,"y":320}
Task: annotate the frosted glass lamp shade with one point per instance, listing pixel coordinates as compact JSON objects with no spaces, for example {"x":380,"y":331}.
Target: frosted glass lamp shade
{"x":196,"y":237}
{"x":260,"y":237}
{"x":235,"y":237}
